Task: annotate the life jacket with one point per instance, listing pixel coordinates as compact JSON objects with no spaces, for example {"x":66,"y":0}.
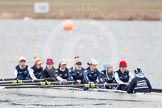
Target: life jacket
{"x":92,"y":75}
{"x":37,"y":72}
{"x":124,"y":77}
{"x":22,"y":74}
{"x":77,"y":74}
{"x":108,"y":78}
{"x":62,"y":74}
{"x":141,"y":85}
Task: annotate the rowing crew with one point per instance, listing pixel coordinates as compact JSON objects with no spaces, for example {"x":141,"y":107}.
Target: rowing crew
{"x":126,"y":80}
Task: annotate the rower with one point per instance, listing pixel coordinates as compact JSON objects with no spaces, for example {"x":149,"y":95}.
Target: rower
{"x":140,"y":84}
{"x":37,"y":68}
{"x":23,"y":71}
{"x":123,"y":77}
{"x":49,"y":71}
{"x":108,"y":75}
{"x":92,"y":74}
{"x":77,"y":72}
{"x":62,"y":73}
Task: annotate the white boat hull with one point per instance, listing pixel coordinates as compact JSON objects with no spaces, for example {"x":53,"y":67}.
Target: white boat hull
{"x":88,"y":94}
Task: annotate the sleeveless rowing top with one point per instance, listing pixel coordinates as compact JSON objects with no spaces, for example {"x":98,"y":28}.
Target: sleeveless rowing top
{"x":77,"y":74}
{"x":37,"y":72}
{"x":92,"y":75}
{"x":62,"y":74}
{"x":22,"y":74}
{"x":124,"y":77}
{"x":109,"y":78}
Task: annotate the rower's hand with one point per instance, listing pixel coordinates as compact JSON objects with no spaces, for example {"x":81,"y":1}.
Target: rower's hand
{"x":78,"y":81}
{"x":126,"y":83}
{"x":91,"y":82}
{"x":65,"y":80}
{"x":110,"y":87}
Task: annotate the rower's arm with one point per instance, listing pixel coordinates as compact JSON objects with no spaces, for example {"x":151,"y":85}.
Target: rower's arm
{"x":43,"y":74}
{"x":149,"y":85}
{"x":31,"y":74}
{"x":131,"y":87}
{"x":15,"y":73}
{"x":86,"y":80}
{"x":131,"y":76}
{"x":59,"y":79}
{"x":118,"y":79}
{"x":70,"y":78}
{"x":100,"y":79}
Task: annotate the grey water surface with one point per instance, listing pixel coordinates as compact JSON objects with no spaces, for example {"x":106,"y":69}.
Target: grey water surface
{"x":138,"y":42}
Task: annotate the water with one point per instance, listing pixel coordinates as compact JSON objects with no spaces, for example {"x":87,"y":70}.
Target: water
{"x":139,"y":42}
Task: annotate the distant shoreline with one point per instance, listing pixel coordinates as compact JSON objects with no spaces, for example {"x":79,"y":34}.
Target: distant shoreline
{"x":85,"y":9}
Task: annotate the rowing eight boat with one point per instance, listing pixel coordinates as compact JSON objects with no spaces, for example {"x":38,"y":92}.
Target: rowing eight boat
{"x":70,"y":92}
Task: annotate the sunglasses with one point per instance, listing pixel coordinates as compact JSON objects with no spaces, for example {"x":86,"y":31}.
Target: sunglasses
{"x":22,"y":61}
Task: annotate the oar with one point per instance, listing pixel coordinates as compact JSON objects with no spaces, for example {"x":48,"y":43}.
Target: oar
{"x":46,"y":86}
{"x":24,"y":81}
{"x":39,"y":83}
{"x":20,"y":81}
{"x":7,"y":79}
{"x":156,"y":90}
{"x":61,"y":85}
